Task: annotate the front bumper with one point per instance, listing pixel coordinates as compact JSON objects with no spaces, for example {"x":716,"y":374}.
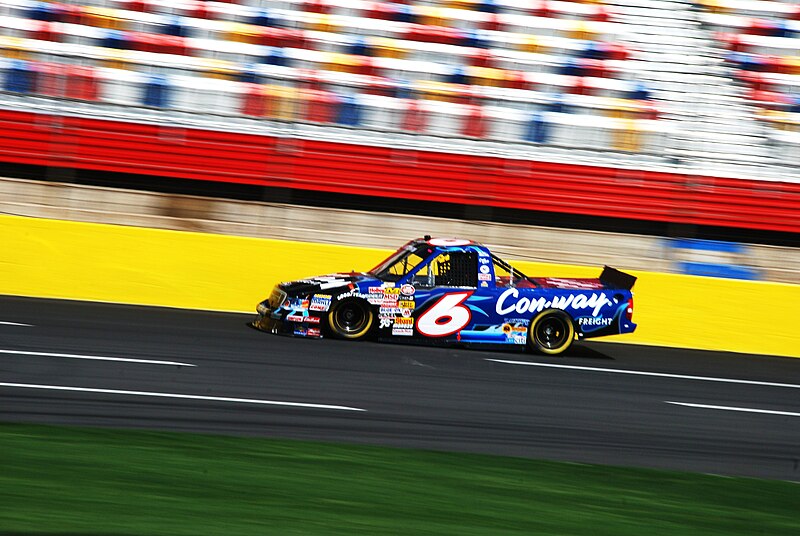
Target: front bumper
{"x":266,"y":323}
{"x":281,"y":323}
{"x":266,"y":319}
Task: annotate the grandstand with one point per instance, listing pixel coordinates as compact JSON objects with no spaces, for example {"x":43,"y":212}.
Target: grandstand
{"x":697,"y":100}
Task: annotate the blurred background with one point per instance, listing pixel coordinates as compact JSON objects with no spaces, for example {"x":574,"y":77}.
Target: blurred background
{"x":650,"y":134}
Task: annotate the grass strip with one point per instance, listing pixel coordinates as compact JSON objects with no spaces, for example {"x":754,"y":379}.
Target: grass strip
{"x":64,"y":480}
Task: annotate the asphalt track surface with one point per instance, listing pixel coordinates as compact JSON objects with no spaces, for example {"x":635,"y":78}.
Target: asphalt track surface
{"x":64,"y":362}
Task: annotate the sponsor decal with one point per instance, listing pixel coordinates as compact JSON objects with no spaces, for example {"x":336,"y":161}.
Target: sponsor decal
{"x":484,"y":260}
{"x":593,"y":323}
{"x":301,"y":332}
{"x":301,"y":318}
{"x":405,"y":312}
{"x":320,"y":302}
{"x":521,"y":322}
{"x":407,"y":290}
{"x":314,"y":332}
{"x":484,"y":268}
{"x":510,"y":302}
{"x":484,"y":277}
{"x":515,"y":332}
{"x":406,"y":304}
{"x":386,"y":297}
{"x":484,"y":284}
{"x":386,"y":321}
{"x":403,"y":327}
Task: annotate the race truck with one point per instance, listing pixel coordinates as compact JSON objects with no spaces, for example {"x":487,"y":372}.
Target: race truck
{"x":449,"y":291}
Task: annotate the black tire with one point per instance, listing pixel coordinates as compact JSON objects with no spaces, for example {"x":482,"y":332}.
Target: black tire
{"x":351,"y":319}
{"x":551,"y":332}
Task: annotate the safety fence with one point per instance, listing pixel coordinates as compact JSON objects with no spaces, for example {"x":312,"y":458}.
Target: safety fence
{"x":150,"y":149}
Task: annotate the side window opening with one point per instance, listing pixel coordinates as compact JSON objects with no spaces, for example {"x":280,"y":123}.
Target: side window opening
{"x":451,"y":269}
{"x":507,"y":276}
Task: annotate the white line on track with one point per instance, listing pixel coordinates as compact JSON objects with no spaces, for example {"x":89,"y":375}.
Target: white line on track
{"x":98,"y":358}
{"x":15,"y":324}
{"x":176,"y":395}
{"x":655,"y":374}
{"x":733,"y":408}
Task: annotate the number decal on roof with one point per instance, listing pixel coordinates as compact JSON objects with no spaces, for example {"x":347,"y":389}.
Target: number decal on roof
{"x":449,"y":242}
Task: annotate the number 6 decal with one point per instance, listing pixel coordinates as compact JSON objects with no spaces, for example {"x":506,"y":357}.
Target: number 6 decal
{"x":446,"y":316}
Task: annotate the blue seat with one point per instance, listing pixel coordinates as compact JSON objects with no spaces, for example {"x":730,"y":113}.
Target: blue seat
{"x":176,"y":27}
{"x":20,"y":77}
{"x":156,"y":92}
{"x":349,"y":111}
{"x":115,"y":39}
{"x":538,"y":130}
{"x":276,"y":56}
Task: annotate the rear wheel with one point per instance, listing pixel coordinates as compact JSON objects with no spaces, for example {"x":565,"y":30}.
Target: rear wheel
{"x":350,"y":319}
{"x":552,"y":332}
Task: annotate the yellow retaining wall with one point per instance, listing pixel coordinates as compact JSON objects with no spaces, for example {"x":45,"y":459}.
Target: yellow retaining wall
{"x":58,"y":259}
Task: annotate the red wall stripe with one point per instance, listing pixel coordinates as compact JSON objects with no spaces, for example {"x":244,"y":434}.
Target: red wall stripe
{"x":137,"y":148}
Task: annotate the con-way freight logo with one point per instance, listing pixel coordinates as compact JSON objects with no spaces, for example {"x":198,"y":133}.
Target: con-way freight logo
{"x":510,"y":302}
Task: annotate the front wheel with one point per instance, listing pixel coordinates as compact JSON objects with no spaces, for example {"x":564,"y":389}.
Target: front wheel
{"x":350,"y":319}
{"x":552,"y":332}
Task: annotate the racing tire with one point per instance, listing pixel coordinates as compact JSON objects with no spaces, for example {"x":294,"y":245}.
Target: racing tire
{"x":551,"y":332}
{"x":351,"y":319}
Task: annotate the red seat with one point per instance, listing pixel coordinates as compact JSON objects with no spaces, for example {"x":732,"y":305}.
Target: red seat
{"x":51,"y":79}
{"x":137,"y":5}
{"x":82,"y":83}
{"x":415,"y":118}
{"x":474,"y":122}
{"x":254,"y":102}
{"x":45,"y":31}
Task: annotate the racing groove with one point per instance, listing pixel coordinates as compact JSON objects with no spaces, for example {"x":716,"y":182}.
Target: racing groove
{"x":65,"y":362}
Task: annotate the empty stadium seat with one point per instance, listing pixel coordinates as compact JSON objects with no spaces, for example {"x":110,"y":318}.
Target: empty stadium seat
{"x":477,"y":70}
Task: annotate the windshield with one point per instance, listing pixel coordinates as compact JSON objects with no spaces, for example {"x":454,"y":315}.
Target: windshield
{"x":401,"y":262}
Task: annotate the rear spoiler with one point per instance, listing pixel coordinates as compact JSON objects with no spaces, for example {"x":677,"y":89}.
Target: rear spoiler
{"x":613,"y":278}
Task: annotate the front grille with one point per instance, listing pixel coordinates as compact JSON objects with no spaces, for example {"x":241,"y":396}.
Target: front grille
{"x":277,"y":298}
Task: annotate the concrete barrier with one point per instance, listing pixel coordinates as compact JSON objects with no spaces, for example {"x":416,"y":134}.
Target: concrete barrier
{"x":84,"y":261}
